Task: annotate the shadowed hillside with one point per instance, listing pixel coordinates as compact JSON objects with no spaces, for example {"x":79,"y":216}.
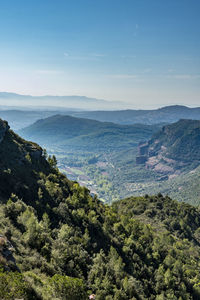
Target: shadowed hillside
{"x":78,"y":133}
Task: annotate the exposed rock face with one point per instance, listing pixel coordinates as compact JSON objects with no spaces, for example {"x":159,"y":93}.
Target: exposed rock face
{"x":156,"y":160}
{"x":7,"y":260}
{"x":143,"y":148}
{"x":35,"y":151}
{"x":142,"y":157}
{"x":4,"y":127}
{"x":173,"y":149}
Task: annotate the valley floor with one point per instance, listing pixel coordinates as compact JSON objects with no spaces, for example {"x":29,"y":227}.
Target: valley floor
{"x":115,"y":175}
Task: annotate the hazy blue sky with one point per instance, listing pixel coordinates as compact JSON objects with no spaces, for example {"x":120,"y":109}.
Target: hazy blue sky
{"x":146,"y":52}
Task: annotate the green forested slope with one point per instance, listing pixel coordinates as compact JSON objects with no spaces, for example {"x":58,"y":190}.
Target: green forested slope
{"x":68,"y":245}
{"x":85,"y":134}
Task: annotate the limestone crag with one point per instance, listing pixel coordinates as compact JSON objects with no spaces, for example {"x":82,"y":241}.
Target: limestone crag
{"x":4,"y":127}
{"x":143,"y":149}
{"x":173,"y":150}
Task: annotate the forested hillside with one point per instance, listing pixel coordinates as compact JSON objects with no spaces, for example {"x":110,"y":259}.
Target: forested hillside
{"x":84,"y":134}
{"x":59,"y":242}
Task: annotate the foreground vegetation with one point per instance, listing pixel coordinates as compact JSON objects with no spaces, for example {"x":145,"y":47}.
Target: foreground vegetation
{"x":59,"y":242}
{"x":114,"y":252}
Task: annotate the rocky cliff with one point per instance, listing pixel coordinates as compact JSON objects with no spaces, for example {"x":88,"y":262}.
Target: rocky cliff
{"x":4,"y":127}
{"x":172,"y":150}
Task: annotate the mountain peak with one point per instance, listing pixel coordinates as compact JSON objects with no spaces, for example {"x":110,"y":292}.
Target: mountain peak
{"x":174,"y":108}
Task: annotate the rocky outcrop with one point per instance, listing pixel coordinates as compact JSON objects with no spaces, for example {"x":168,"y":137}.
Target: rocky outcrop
{"x":4,"y":127}
{"x":172,"y":150}
{"x":143,"y":149}
{"x":35,"y":151}
{"x":141,"y":159}
{"x":155,"y":160}
{"x":7,"y":261}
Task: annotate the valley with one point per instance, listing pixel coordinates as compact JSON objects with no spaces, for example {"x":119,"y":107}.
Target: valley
{"x":109,"y":159}
{"x":88,"y":151}
{"x":104,"y":156}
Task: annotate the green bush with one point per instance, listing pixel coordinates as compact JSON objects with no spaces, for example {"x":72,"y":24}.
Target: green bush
{"x":64,"y":288}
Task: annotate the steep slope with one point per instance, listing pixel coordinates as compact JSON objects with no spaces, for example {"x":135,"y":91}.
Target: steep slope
{"x":67,"y":131}
{"x":68,"y":245}
{"x":162,"y":213}
{"x":23,"y":161}
{"x":174,"y":149}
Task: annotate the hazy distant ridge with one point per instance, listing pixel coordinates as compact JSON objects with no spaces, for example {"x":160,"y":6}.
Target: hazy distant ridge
{"x":168,"y":114}
{"x":81,"y":102}
{"x":23,"y":115}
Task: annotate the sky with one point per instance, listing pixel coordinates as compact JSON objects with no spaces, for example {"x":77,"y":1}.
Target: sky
{"x":142,"y":52}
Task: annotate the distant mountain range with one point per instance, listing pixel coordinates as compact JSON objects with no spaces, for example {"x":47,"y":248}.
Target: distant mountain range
{"x":20,"y":117}
{"x":168,"y":114}
{"x":97,"y":109}
{"x":46,"y":102}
